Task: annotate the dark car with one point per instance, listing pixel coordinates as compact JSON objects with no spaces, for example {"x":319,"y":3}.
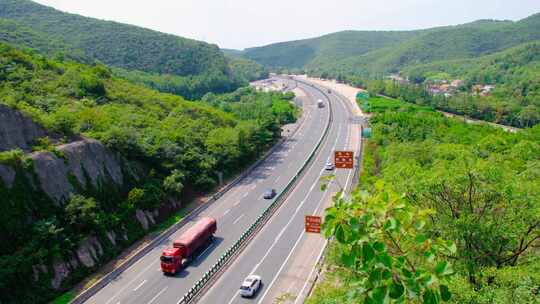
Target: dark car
{"x":269,"y":194}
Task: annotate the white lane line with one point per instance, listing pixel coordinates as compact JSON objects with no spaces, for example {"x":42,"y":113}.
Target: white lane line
{"x":253,"y":187}
{"x":134,"y":279}
{"x":158,"y":294}
{"x":299,"y":237}
{"x":236,"y":221}
{"x":236,"y":204}
{"x":139,"y":286}
{"x":288,"y":223}
{"x":225,"y":213}
{"x":277,"y":179}
{"x":244,"y":196}
{"x":311,"y":273}
{"x":273,"y":244}
{"x":286,"y":259}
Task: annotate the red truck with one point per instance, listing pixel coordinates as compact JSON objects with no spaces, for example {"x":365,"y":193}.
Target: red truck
{"x":173,"y":259}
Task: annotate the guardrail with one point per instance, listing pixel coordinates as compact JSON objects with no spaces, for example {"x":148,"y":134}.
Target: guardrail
{"x":196,"y":290}
{"x":101,"y":283}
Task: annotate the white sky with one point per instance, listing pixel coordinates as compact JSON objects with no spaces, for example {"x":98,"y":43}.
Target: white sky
{"x":246,"y":23}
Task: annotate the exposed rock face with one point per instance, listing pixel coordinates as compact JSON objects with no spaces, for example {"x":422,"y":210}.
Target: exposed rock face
{"x":82,"y":156}
{"x":61,"y":271}
{"x":37,"y":270}
{"x":141,"y":217}
{"x":89,"y":252}
{"x":53,"y":175}
{"x":111,"y":235}
{"x":94,"y":158}
{"x":7,"y":175}
{"x":17,"y":130}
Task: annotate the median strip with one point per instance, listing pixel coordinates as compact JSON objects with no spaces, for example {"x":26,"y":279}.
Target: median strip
{"x":215,"y":270}
{"x":106,"y":279}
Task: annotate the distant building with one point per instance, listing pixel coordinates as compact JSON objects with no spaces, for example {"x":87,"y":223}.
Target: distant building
{"x":483,"y":90}
{"x":397,"y":78}
{"x":457,"y":83}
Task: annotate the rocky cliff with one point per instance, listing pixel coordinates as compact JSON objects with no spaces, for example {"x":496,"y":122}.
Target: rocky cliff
{"x":18,"y":131}
{"x":36,"y":187}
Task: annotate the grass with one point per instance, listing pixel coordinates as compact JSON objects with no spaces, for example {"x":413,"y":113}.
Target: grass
{"x":172,"y":219}
{"x":64,"y":299}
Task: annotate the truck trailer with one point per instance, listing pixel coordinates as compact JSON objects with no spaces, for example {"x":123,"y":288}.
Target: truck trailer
{"x":195,"y":238}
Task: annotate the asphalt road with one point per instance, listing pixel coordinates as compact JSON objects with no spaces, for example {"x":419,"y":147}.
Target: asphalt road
{"x":282,"y":243}
{"x":235,"y":211}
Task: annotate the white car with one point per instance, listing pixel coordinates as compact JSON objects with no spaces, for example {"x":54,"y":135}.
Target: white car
{"x":250,"y":286}
{"x":329,"y":166}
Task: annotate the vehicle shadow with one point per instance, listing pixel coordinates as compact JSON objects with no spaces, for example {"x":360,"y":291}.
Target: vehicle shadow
{"x":200,"y":257}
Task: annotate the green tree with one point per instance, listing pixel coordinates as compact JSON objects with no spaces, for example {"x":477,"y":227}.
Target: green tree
{"x":387,"y":249}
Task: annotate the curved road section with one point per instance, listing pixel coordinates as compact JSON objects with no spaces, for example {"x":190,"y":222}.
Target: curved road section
{"x":235,"y":211}
{"x":282,"y":254}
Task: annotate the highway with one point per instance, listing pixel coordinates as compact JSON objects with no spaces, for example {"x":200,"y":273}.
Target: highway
{"x":282,"y":253}
{"x":235,"y":211}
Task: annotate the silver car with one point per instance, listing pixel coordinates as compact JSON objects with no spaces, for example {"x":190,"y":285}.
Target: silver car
{"x":329,"y":166}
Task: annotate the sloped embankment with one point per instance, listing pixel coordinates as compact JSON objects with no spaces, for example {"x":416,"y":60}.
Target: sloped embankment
{"x":41,"y":185}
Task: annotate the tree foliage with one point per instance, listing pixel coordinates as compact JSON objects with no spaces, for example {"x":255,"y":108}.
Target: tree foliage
{"x":387,"y":250}
{"x":477,"y":187}
{"x":167,"y":147}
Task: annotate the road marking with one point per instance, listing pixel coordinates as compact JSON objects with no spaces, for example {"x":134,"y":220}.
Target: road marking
{"x":158,"y":294}
{"x":299,"y":238}
{"x":299,"y":206}
{"x":134,"y":279}
{"x":243,"y":196}
{"x":236,"y":204}
{"x":139,"y":286}
{"x":277,"y":179}
{"x":302,"y":233}
{"x":288,"y":223}
{"x":236,"y":221}
{"x":253,"y":187}
{"x":225,"y":213}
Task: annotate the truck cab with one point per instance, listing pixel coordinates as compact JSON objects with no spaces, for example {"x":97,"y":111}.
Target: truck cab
{"x":171,"y":260}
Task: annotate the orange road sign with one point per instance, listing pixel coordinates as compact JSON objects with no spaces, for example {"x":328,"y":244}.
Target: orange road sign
{"x":344,"y":159}
{"x":313,"y":224}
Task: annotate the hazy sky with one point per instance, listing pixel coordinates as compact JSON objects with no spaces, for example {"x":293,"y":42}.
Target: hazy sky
{"x":247,"y":23}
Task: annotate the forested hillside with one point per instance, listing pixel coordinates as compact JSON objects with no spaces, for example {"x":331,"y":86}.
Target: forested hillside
{"x":513,"y":75}
{"x":196,"y":67}
{"x":159,"y":150}
{"x":328,"y":48}
{"x":456,"y":42}
{"x":375,"y":54}
{"x":445,"y":211}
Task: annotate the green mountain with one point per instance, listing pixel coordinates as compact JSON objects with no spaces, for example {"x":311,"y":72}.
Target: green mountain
{"x":302,"y":53}
{"x":28,"y":24}
{"x":379,"y":53}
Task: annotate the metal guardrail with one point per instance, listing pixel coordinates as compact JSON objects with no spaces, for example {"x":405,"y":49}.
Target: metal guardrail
{"x":101,"y":283}
{"x":195,"y":291}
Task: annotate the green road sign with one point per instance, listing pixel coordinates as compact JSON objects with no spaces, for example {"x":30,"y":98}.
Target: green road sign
{"x":366,"y":132}
{"x":362,"y":95}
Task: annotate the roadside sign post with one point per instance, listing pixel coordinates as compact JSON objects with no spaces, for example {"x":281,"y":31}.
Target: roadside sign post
{"x":344,"y":159}
{"x":313,"y":224}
